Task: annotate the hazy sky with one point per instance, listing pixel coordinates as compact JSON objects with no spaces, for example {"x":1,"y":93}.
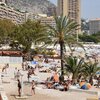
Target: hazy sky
{"x":90,"y":9}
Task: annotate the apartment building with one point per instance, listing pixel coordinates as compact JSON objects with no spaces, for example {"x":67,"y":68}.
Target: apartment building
{"x":71,"y":8}
{"x":9,"y":13}
{"x":43,"y":18}
{"x":94,"y":26}
{"x":48,"y":20}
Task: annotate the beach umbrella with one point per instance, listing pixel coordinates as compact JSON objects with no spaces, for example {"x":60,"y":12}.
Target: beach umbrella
{"x":34,"y":62}
{"x":86,"y":86}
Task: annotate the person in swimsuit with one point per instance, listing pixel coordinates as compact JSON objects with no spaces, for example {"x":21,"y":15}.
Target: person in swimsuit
{"x":33,"y":87}
{"x":19,"y":87}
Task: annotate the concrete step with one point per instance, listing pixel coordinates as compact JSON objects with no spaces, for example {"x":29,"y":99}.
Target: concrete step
{"x":85,"y":91}
{"x":93,"y":98}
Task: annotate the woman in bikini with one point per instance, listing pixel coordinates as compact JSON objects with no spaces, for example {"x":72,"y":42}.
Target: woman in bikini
{"x":33,"y":87}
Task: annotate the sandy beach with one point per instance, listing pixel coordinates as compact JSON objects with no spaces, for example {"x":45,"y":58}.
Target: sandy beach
{"x":10,"y":87}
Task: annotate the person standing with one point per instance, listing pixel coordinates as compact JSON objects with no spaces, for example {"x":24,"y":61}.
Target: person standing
{"x":23,"y":66}
{"x":33,"y":87}
{"x":98,"y":81}
{"x":19,"y":87}
{"x":18,"y":74}
{"x":28,"y":76}
{"x":15,"y":73}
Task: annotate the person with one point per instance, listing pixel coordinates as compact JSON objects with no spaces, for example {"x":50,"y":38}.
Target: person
{"x":18,"y":74}
{"x":56,"y":77}
{"x":7,"y":65}
{"x":33,"y":71}
{"x":98,"y":81}
{"x":4,"y":69}
{"x":28,"y":76}
{"x":19,"y":87}
{"x":66,"y":86}
{"x":33,"y":87}
{"x":15,"y":73}
{"x":23,"y":66}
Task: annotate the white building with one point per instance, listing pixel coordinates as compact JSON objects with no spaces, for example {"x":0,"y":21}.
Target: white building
{"x":10,"y":13}
{"x":94,"y":26}
{"x":43,"y":18}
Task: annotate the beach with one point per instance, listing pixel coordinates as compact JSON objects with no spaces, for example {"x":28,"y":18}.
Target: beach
{"x":42,"y":93}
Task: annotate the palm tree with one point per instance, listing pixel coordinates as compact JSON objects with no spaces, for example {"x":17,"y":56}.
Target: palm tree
{"x":74,"y":66}
{"x":90,"y":69}
{"x":64,"y":28}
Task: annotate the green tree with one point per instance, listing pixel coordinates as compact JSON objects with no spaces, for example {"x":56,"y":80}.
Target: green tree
{"x":6,"y":30}
{"x":74,"y":66}
{"x":90,"y":69}
{"x":59,"y":35}
{"x":28,"y":33}
{"x":88,"y":38}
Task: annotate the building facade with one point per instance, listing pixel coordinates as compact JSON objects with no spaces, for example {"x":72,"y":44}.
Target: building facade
{"x":9,"y":13}
{"x":48,"y":20}
{"x":43,"y":18}
{"x":94,"y":26}
{"x":70,"y":8}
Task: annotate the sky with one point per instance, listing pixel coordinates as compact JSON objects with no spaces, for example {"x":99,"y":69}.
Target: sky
{"x":90,"y":9}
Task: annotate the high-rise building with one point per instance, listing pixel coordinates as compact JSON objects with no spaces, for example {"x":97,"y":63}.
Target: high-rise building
{"x":69,"y":8}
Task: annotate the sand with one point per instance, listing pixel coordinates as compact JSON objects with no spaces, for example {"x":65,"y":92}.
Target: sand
{"x":41,"y":93}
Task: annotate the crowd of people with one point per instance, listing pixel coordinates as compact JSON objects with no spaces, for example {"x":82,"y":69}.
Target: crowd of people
{"x":52,"y":82}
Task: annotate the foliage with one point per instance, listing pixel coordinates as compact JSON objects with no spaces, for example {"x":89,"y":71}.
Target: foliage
{"x":90,"y":68}
{"x":28,"y":33}
{"x":6,"y":29}
{"x":88,"y":38}
{"x":59,"y":34}
{"x":74,"y":65}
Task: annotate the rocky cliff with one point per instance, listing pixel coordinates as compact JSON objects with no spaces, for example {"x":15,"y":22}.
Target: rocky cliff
{"x":35,"y":6}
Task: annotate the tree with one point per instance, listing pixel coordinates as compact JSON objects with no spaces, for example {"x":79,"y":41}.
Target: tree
{"x":74,"y":66}
{"x":6,"y":30}
{"x":59,"y":35}
{"x":29,"y":33}
{"x":88,"y":38}
{"x":90,"y":69}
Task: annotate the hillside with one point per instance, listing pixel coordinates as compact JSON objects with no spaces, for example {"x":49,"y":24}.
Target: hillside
{"x":35,"y":6}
